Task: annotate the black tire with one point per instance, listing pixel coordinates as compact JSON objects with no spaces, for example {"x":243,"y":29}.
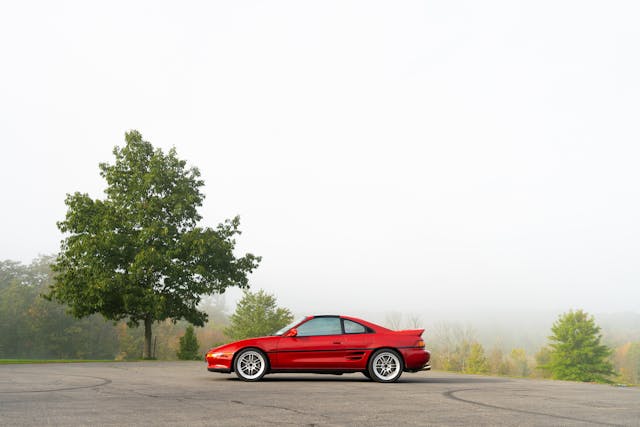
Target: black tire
{"x":385,"y":366}
{"x":251,"y":364}
{"x":366,"y":374}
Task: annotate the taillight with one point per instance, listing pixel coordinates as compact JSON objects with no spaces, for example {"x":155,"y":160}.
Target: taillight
{"x":420,"y":344}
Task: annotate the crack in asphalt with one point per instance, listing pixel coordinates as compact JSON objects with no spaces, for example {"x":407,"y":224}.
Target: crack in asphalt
{"x":239,"y":402}
{"x":105,"y":381}
{"x":139,"y":393}
{"x":451,"y":395}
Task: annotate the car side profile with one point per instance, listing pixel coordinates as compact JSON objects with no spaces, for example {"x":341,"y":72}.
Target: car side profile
{"x":325,"y":344}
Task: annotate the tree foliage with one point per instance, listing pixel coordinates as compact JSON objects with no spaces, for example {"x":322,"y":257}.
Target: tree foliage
{"x":189,"y":346}
{"x":256,"y":315}
{"x":519,"y":364}
{"x":138,"y":254}
{"x":576,"y":353}
{"x":477,"y":362}
{"x":31,"y":327}
{"x":628,"y":362}
{"x":451,"y":344}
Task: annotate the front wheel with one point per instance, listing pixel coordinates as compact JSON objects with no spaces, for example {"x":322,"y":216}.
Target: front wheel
{"x":250,"y":365}
{"x":385,"y":366}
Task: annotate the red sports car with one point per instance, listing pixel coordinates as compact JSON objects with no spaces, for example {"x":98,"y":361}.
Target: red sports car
{"x":326,"y":345}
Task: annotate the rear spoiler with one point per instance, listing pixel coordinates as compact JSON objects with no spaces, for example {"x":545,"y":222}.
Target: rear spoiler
{"x":416,"y":332}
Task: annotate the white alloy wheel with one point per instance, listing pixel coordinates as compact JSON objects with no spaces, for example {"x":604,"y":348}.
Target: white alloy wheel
{"x":251,"y":365}
{"x":385,"y":366}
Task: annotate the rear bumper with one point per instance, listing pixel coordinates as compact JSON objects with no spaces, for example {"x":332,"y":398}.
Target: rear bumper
{"x":416,"y":359}
{"x":221,"y":370}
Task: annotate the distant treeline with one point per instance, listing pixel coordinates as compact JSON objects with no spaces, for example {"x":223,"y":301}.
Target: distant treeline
{"x":33,"y":328}
{"x":456,"y":348}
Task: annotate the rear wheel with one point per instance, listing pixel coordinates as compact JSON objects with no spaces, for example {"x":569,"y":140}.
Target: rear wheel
{"x":250,"y":365}
{"x":385,"y":366}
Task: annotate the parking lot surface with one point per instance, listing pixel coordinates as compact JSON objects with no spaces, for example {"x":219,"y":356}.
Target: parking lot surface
{"x":184,"y":393}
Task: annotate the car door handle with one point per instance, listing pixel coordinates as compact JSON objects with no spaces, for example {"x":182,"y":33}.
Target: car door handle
{"x":337,"y":342}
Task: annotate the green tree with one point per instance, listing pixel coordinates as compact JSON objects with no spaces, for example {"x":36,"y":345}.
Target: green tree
{"x":138,"y":254}
{"x":189,"y":345}
{"x":520,"y":364}
{"x":32,"y":327}
{"x":576,"y":352}
{"x":256,"y":315}
{"x":451,"y":344}
{"x":498,"y":364}
{"x":543,"y":357}
{"x":628,"y":362}
{"x":477,"y":362}
{"x":17,"y":294}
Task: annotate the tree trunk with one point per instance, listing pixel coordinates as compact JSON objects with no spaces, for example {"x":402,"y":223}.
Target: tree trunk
{"x":146,"y":352}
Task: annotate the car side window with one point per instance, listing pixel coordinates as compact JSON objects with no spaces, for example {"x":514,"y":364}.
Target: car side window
{"x":320,"y":326}
{"x":351,"y":327}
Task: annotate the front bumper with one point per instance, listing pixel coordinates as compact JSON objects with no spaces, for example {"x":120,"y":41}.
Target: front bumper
{"x":219,"y":361}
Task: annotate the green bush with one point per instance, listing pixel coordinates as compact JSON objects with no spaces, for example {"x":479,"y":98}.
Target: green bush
{"x":189,"y":346}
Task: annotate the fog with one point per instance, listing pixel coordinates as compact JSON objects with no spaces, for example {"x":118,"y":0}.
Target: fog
{"x":439,"y":158}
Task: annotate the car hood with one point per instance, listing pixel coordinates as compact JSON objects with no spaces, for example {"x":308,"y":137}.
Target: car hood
{"x":233,"y":346}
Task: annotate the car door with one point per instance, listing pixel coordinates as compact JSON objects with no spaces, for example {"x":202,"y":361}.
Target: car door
{"x":355,"y":344}
{"x":318,"y":345}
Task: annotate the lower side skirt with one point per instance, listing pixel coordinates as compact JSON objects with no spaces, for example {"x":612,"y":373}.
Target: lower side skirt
{"x":314,"y":371}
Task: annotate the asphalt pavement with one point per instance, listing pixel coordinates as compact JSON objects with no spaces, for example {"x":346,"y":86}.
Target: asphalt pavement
{"x":185,"y":394}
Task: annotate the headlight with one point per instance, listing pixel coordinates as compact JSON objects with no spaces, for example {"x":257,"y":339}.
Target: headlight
{"x":220,"y":355}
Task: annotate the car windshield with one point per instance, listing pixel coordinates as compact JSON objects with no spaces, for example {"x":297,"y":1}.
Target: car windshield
{"x":289,"y":326}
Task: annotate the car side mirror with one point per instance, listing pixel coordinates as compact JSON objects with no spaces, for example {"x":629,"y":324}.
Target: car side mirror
{"x":292,"y":333}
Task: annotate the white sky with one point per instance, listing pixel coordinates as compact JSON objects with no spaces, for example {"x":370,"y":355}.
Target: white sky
{"x":384,"y":156}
